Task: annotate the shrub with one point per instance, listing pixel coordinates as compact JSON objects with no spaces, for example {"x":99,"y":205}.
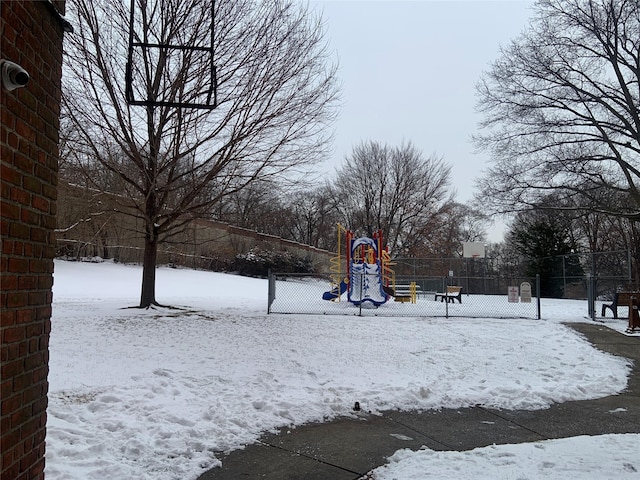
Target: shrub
{"x":257,"y":263}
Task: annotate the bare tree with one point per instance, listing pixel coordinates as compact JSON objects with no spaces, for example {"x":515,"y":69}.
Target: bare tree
{"x":313,"y":217}
{"x":256,"y":207}
{"x":276,"y":92}
{"x":393,"y":189}
{"x":561,"y":110}
{"x":443,"y":235}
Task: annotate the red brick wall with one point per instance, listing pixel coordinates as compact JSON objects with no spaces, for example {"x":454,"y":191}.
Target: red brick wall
{"x":31,"y":36}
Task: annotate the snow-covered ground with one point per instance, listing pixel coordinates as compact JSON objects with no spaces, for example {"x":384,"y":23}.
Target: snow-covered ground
{"x":158,"y":394}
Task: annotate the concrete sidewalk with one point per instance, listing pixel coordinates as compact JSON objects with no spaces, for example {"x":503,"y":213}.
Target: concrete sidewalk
{"x":348,"y":448}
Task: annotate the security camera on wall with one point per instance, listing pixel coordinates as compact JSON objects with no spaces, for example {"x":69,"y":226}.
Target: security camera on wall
{"x":13,"y":75}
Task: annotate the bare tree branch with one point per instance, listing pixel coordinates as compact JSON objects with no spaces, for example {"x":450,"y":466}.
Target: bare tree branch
{"x":561,"y":107}
{"x":393,"y":189}
{"x":276,"y":97}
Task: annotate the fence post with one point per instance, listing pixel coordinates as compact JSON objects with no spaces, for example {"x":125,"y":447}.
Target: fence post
{"x":272,"y":290}
{"x":594,"y":294}
{"x":591,"y":296}
{"x":362,"y":280}
{"x":446,"y":298}
{"x":538,"y":295}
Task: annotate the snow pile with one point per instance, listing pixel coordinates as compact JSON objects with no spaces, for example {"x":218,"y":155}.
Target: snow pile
{"x":158,"y":394}
{"x":586,"y":458}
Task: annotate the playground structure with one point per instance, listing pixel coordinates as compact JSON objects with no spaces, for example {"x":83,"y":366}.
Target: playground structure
{"x":363,"y":272}
{"x":363,"y":276}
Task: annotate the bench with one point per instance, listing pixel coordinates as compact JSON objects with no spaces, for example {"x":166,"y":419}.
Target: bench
{"x":453,"y":292}
{"x":619,"y":299}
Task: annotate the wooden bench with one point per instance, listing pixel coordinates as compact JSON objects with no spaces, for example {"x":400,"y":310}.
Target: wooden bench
{"x":453,"y":292}
{"x":620,"y":299}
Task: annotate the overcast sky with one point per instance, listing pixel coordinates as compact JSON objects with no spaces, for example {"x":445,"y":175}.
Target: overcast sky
{"x":408,"y":71}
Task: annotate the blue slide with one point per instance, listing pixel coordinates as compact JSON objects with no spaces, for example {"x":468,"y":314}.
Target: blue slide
{"x":331,"y":294}
{"x":366,"y":284}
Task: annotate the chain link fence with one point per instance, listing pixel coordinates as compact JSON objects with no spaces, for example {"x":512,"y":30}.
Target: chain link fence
{"x":411,"y":296}
{"x":594,"y":277}
{"x":78,"y":250}
{"x":568,"y":276}
{"x":563,"y":276}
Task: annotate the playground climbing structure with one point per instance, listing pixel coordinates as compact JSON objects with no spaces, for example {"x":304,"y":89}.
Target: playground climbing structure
{"x":366,"y":275}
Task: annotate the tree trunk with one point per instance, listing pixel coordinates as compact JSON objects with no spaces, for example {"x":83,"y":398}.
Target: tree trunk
{"x":148,"y":295}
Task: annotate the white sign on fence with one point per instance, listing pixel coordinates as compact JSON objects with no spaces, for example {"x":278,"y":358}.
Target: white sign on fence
{"x":525,"y":292}
{"x":513,"y":294}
